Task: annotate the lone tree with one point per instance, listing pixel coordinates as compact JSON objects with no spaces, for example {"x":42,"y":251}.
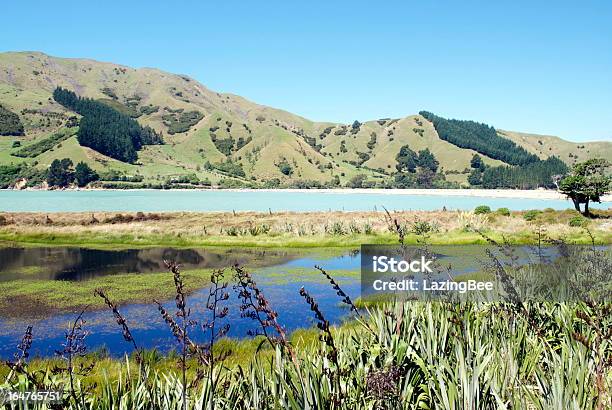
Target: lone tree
{"x":587,"y":181}
{"x":83,"y":174}
{"x":60,"y":173}
{"x":477,"y":163}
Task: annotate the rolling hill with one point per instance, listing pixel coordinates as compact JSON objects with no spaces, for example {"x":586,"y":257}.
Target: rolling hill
{"x":208,"y":134}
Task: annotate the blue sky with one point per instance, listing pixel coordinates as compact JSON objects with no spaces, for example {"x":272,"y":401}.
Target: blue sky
{"x":541,"y":68}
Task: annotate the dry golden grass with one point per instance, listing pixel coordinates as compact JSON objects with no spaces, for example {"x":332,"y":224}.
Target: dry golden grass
{"x":276,"y":229}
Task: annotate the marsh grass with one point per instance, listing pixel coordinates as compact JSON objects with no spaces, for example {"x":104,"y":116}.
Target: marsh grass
{"x":282,"y":229}
{"x":52,"y":296}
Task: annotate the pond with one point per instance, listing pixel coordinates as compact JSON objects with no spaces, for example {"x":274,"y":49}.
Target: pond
{"x":280,"y":274}
{"x":219,"y":200}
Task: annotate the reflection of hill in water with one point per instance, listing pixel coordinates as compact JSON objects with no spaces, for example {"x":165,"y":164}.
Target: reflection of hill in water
{"x":80,"y":263}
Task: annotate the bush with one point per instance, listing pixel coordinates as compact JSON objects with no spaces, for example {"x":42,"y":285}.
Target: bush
{"x":531,"y":215}
{"x":482,"y":209}
{"x":357,"y":181}
{"x":230,"y":168}
{"x":225,"y":146}
{"x":182,"y":122}
{"x":10,"y":123}
{"x":285,"y":168}
{"x":578,"y":221}
{"x":503,"y":211}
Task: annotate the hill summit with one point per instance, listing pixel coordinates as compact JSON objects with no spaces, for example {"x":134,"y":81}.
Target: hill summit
{"x":188,"y":133}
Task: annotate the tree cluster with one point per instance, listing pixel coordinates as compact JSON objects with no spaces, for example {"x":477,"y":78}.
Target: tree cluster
{"x":107,"y":130}
{"x":61,"y":174}
{"x":416,"y":170}
{"x":531,"y":176}
{"x":481,"y":138}
{"x":10,"y":123}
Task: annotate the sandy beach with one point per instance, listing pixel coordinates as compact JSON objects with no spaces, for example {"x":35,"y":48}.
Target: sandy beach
{"x":479,"y":193}
{"x":476,"y":193}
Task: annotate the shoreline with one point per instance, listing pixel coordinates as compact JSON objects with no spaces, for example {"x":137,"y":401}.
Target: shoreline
{"x":540,"y":194}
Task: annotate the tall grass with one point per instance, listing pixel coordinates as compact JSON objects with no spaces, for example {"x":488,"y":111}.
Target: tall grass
{"x":512,"y":354}
{"x":442,"y":357}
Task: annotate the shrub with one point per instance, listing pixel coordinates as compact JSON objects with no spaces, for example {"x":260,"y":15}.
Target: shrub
{"x":531,"y":215}
{"x":231,"y":168}
{"x":149,"y":109}
{"x":225,"y":146}
{"x":182,"y":122}
{"x":578,"y":221}
{"x":109,"y":92}
{"x":482,"y":209}
{"x":356,"y":181}
{"x":503,"y":211}
{"x":423,"y":227}
{"x":285,"y":168}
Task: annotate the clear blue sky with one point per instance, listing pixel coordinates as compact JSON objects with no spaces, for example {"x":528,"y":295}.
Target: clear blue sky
{"x":542,"y":68}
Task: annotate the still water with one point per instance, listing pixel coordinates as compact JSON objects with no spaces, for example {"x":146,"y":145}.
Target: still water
{"x":159,"y":201}
{"x":280,"y":274}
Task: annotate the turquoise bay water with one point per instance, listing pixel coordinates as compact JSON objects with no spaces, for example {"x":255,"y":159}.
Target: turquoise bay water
{"x":159,"y":201}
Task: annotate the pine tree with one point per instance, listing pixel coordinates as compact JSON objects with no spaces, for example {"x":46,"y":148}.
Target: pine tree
{"x":105,"y":129}
{"x":481,"y":138}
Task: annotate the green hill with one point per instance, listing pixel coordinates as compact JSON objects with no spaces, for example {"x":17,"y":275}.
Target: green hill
{"x":214,"y":135}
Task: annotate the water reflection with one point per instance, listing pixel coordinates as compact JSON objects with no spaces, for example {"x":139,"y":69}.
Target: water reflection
{"x":279,"y":276}
{"x":81,"y":263}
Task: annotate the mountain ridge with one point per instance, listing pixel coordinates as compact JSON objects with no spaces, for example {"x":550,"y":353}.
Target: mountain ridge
{"x":268,"y":143}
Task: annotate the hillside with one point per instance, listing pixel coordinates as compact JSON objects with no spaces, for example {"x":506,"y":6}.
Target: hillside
{"x":214,"y":135}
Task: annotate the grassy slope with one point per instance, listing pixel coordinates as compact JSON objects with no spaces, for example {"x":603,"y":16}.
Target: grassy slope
{"x":27,"y":80}
{"x":545,"y":145}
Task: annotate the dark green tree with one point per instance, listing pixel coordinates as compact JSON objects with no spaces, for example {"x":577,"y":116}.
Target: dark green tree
{"x":405,"y":180}
{"x":477,"y":163}
{"x":285,"y":168}
{"x":60,"y":173}
{"x":84,"y":174}
{"x":537,"y":174}
{"x":427,"y":160}
{"x":407,"y":160}
{"x":335,"y":181}
{"x":475,"y":177}
{"x":10,"y":123}
{"x":587,"y":181}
